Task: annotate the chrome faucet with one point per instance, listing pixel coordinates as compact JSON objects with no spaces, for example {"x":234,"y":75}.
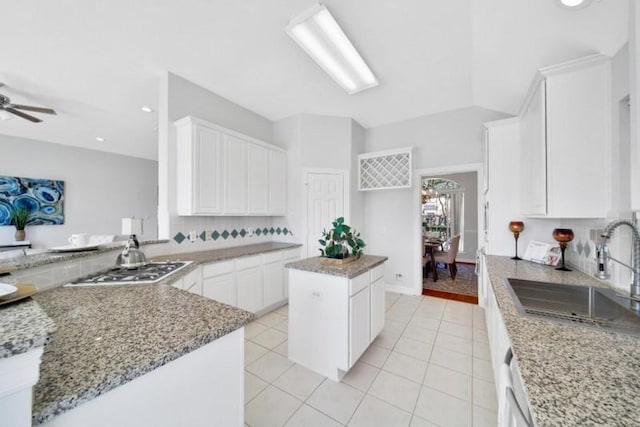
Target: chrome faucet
{"x":603,"y":256}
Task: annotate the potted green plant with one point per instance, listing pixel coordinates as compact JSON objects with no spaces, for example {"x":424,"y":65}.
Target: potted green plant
{"x":337,"y":241}
{"x":20,"y":218}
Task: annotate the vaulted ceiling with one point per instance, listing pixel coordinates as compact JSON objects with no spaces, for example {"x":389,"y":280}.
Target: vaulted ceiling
{"x":98,"y":62}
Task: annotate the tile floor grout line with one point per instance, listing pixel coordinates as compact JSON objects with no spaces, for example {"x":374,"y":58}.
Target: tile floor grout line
{"x":412,"y":310}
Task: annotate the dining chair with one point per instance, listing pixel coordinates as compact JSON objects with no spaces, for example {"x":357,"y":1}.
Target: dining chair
{"x":449,"y":256}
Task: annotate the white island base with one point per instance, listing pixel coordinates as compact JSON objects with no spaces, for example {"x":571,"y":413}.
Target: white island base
{"x":202,"y":388}
{"x":334,"y":319}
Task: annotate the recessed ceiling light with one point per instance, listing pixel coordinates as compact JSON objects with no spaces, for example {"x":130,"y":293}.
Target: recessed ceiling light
{"x":100,"y":139}
{"x":574,"y":4}
{"x":146,"y":109}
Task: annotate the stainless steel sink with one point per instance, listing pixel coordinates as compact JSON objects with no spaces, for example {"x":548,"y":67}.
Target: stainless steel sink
{"x":587,"y":306}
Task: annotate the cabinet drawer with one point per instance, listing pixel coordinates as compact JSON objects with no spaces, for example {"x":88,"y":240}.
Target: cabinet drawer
{"x":217,"y":268}
{"x":377,"y":273}
{"x":291,"y":253}
{"x":358,"y":283}
{"x":248,"y":262}
{"x":270,"y":257}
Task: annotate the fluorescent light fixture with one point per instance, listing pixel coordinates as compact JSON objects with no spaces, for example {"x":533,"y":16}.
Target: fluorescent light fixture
{"x":100,"y":139}
{"x":574,"y":4}
{"x":146,"y":109}
{"x":321,"y":37}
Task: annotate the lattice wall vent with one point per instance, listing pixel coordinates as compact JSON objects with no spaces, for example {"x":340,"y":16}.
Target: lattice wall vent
{"x":384,"y":170}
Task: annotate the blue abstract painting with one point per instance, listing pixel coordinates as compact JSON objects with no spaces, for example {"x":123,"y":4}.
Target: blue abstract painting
{"x":44,"y":198}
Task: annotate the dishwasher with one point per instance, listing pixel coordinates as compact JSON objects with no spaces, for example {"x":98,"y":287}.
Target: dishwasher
{"x":515,"y":411}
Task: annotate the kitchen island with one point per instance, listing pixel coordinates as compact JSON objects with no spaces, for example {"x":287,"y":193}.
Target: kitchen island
{"x":335,"y":312}
{"x":572,"y":375}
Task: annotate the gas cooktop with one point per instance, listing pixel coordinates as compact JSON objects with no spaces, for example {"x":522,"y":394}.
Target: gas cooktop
{"x":152,"y":272}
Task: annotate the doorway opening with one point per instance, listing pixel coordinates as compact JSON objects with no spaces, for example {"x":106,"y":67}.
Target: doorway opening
{"x":448,"y":225}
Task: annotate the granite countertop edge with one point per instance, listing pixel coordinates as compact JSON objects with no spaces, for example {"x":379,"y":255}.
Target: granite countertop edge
{"x":72,"y":401}
{"x":349,"y":270}
{"x":36,"y":327}
{"x":41,"y":327}
{"x":572,"y":375}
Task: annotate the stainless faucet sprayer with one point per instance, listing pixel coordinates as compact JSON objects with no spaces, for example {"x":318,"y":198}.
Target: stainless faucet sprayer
{"x":603,"y":256}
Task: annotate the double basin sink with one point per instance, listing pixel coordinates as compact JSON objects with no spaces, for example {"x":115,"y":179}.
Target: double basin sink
{"x":589,"y":306}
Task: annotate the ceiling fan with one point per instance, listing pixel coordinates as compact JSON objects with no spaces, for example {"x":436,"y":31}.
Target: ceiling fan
{"x":6,"y":105}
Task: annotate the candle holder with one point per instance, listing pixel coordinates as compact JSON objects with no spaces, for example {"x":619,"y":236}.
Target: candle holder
{"x":563,"y":236}
{"x":516,"y":228}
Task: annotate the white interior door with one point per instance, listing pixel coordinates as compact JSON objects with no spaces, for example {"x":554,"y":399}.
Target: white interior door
{"x":325,"y":202}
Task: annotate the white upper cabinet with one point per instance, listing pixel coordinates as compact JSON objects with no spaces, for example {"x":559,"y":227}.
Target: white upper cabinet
{"x":222,"y":172}
{"x":504,"y":189}
{"x":199,"y":163}
{"x":534,"y":155}
{"x":565,"y":141}
{"x":235,"y":175}
{"x":277,"y":182}
{"x":258,"y":179}
{"x":634,"y":94}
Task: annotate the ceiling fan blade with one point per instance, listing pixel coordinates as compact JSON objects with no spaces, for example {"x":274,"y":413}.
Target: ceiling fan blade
{"x":34,"y":109}
{"x":23,"y":115}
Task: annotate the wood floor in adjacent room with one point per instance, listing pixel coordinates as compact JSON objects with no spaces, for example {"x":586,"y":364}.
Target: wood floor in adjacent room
{"x":463,"y":288}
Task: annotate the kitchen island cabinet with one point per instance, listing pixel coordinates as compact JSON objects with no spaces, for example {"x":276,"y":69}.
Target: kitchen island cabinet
{"x":335,"y":312}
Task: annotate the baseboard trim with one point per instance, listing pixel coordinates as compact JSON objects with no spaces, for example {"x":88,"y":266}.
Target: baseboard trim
{"x":399,"y":289}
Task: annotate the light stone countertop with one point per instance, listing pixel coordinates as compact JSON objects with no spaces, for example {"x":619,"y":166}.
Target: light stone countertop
{"x":108,"y":336}
{"x":573,"y":376}
{"x":349,"y":270}
{"x":77,"y":367}
{"x":23,"y":325}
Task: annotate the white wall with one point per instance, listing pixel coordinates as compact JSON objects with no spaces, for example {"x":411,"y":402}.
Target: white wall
{"x":319,"y":142}
{"x":180,"y":98}
{"x":444,"y":139}
{"x":100,"y":188}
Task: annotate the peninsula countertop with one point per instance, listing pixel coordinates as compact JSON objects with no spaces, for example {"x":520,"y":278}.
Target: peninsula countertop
{"x":107,"y":336}
{"x":573,"y":376}
{"x":348,"y":270}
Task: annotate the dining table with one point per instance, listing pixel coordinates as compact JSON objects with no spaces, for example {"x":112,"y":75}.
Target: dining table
{"x":430,"y":246}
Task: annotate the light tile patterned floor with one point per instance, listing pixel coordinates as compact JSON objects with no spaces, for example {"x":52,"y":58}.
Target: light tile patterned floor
{"x":429,"y":367}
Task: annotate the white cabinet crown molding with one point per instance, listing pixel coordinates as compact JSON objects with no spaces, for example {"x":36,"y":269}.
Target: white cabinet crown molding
{"x":563,"y":67}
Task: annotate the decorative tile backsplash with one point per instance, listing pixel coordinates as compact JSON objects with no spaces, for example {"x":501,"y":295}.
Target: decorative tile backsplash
{"x":248,"y":232}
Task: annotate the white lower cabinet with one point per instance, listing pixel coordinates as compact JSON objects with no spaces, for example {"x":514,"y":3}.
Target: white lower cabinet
{"x":377,"y":308}
{"x":332,"y":319}
{"x":513,"y":408}
{"x":249,"y":283}
{"x":255,"y":283}
{"x":288,"y":256}
{"x":218,"y":282}
{"x":359,"y":324}
{"x":192,"y":282}
{"x":273,"y":283}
